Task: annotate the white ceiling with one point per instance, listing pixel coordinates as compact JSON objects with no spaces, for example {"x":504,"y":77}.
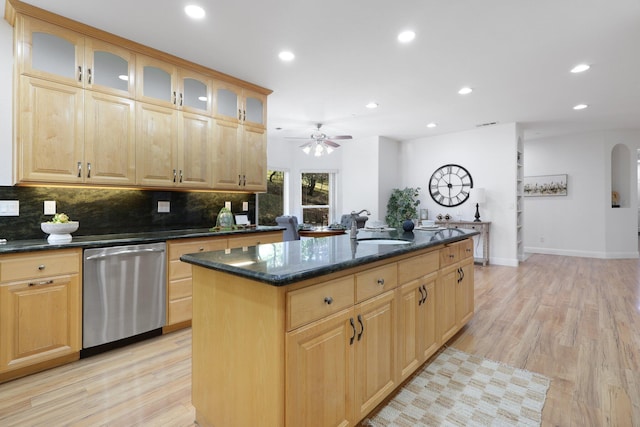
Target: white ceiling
{"x":516,"y":54}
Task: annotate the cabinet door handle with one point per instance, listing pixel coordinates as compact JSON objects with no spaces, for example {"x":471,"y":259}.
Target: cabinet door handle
{"x":421,"y":295}
{"x":328,"y":300}
{"x":181,"y":176}
{"x":45,"y":282}
{"x":181,"y":99}
{"x":244,"y":180}
{"x":79,"y":169}
{"x":353,"y":326}
{"x":239,"y":114}
{"x":79,"y":73}
{"x":361,"y":327}
{"x":244,"y":115}
{"x":380,"y":282}
{"x":89,"y":75}
{"x":240,"y":180}
{"x":461,"y":274}
{"x":88,"y":170}
{"x":174,"y":97}
{"x":426,"y":293}
{"x":174,"y":175}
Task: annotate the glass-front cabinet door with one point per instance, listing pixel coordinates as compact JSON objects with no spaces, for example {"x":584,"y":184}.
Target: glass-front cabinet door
{"x":254,"y":111}
{"x":194,"y":93}
{"x":156,"y":82}
{"x":109,"y":68}
{"x":227,"y":102}
{"x":50,"y":52}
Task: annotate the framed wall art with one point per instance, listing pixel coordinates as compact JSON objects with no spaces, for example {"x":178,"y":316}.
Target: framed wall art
{"x":545,"y":185}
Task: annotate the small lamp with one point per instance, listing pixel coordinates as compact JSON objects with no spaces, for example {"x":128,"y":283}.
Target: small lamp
{"x":479,"y":196}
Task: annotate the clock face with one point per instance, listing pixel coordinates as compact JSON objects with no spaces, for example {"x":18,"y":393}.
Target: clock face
{"x":450,"y":184}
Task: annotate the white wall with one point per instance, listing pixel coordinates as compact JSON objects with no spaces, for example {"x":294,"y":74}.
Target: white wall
{"x":583,"y":222}
{"x":6,"y":116}
{"x":489,"y":154}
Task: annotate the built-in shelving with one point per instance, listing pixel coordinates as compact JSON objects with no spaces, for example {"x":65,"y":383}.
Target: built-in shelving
{"x":519,"y":199}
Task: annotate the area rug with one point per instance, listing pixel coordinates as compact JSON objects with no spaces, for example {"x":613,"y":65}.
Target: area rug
{"x":460,"y":389}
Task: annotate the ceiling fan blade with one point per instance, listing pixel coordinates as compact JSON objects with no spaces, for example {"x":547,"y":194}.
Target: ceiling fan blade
{"x":331,"y":143}
{"x":296,"y":137}
{"x":341,"y":137}
{"x":307,"y":144}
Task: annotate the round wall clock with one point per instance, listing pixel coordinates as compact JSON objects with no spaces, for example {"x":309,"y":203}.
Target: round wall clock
{"x":450,"y":184}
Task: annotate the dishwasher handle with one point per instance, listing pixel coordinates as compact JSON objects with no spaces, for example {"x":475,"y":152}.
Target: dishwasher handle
{"x":123,"y":252}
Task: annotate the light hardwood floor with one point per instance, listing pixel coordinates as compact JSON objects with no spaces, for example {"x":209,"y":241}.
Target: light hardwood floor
{"x":575,"y":320}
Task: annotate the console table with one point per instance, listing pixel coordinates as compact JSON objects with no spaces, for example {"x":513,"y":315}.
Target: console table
{"x":481,"y":226}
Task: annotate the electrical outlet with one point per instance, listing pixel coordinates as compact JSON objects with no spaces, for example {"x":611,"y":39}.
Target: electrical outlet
{"x":164,"y":207}
{"x":49,"y":207}
{"x":227,"y":205}
{"x":245,"y":206}
{"x":9,"y":208}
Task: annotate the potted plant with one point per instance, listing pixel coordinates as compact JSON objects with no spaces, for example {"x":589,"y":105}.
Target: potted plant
{"x":402,"y":206}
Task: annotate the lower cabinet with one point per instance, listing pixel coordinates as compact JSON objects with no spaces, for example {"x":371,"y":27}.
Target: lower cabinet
{"x":179,"y":280}
{"x":40,"y":311}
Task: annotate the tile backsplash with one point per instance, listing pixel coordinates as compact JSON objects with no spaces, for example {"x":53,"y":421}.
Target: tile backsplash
{"x":108,"y":211}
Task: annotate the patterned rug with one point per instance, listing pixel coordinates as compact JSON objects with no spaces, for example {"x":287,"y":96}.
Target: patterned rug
{"x":460,"y":389}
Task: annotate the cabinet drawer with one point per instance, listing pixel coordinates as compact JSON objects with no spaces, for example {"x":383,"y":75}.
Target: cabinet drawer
{"x":315,"y":302}
{"x":180,"y":289}
{"x":190,"y":246}
{"x":376,"y":281}
{"x":254,"y":239}
{"x":418,"y":266}
{"x":39,"y":264}
{"x":466,"y":249}
{"x":449,"y":255}
{"x":180,"y":310}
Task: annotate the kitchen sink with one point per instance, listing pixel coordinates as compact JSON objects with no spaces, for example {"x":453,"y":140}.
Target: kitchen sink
{"x":384,"y":241}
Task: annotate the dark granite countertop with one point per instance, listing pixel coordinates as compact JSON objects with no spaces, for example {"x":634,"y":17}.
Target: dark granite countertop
{"x":125,"y":239}
{"x":280,"y":264}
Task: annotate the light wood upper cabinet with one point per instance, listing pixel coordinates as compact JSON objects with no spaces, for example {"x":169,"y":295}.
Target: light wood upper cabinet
{"x":156,"y":145}
{"x":110,"y":156}
{"x":57,"y":54}
{"x":195,"y":140}
{"x":50,"y":134}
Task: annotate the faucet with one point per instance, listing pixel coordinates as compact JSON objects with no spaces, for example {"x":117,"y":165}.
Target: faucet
{"x":354,"y":227}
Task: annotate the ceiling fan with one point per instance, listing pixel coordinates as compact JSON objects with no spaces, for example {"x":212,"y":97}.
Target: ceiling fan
{"x":320,"y":143}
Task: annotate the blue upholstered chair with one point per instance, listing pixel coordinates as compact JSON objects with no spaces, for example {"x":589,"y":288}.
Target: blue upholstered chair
{"x":291,"y":224}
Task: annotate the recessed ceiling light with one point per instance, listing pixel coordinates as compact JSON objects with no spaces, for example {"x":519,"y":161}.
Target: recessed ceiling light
{"x":286,"y":55}
{"x":580,"y":107}
{"x":432,"y":125}
{"x":372,"y":105}
{"x":406,"y":36}
{"x":580,"y":68}
{"x":465,"y":90}
{"x":193,"y":11}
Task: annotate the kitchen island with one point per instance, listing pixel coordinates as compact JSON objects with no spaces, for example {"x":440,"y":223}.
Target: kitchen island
{"x":320,"y":331}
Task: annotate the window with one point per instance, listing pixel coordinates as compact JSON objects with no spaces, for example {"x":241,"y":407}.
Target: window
{"x":271,"y":203}
{"x":317,"y":198}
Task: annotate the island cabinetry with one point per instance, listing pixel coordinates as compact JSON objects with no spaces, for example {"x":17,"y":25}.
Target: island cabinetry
{"x":454,"y":290}
{"x":179,"y":295}
{"x":354,"y":349}
{"x":417,"y":338}
{"x":240,"y":138}
{"x":40,"y":311}
{"x":253,"y":239}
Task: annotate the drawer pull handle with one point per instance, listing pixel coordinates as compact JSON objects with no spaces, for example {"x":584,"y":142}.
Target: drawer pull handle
{"x":42,"y":267}
{"x":450,"y":255}
{"x":328,"y":300}
{"x":381,"y":282}
{"x":46,"y":282}
{"x":353,"y":326}
{"x":361,"y":327}
{"x":201,"y":249}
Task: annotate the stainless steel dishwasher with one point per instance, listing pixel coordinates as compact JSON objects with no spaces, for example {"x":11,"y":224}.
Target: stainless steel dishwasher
{"x":124,"y":290}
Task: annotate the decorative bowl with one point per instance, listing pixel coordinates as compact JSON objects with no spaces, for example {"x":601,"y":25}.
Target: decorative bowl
{"x":59,"y":232}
